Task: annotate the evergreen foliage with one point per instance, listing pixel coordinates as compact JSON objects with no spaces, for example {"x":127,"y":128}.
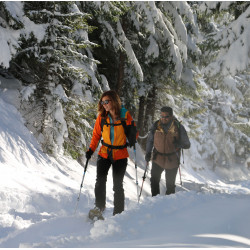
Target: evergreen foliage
{"x":143,"y":44}
{"x":8,"y":19}
{"x":222,"y":27}
{"x":58,"y":68}
{"x":152,"y":53}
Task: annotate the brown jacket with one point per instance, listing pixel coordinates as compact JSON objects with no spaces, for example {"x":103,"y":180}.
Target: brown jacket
{"x":165,"y":154}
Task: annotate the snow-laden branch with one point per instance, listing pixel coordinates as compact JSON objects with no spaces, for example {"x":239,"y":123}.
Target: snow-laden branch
{"x":234,"y":55}
{"x":129,"y":51}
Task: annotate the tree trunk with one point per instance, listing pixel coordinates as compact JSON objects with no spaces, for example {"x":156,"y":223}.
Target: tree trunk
{"x":140,"y":120}
{"x":150,"y":109}
{"x":120,"y":73}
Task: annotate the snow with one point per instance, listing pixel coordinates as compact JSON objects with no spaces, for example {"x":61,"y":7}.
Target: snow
{"x":39,"y":195}
{"x":153,"y":48}
{"x":234,"y":40}
{"x":59,"y":91}
{"x":4,"y":52}
{"x":9,"y":37}
{"x":28,"y":91}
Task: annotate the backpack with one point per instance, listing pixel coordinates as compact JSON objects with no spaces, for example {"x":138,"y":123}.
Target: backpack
{"x":183,"y":141}
{"x":130,"y":130}
{"x":131,"y":133}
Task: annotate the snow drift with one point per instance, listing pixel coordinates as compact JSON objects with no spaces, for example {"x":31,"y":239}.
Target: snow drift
{"x":39,"y":194}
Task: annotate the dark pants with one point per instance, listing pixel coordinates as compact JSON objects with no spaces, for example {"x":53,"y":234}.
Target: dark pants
{"x":119,"y":169}
{"x":170,"y":176}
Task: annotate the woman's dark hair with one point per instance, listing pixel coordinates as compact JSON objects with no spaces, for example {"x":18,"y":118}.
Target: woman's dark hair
{"x":167,"y":110}
{"x":116,"y":102}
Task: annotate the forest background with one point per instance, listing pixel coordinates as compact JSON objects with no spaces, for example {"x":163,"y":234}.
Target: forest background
{"x":192,"y":56}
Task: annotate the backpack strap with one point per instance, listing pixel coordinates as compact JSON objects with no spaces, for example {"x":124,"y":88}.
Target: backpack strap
{"x":177,"y":123}
{"x":112,"y":146}
{"x":129,"y":130}
{"x":168,"y":155}
{"x":123,"y":123}
{"x":104,"y":122}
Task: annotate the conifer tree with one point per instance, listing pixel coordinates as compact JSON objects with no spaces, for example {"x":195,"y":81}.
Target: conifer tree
{"x":10,"y":23}
{"x":143,"y":44}
{"x":225,"y":27}
{"x":228,"y":30}
{"x":69,"y":52}
{"x":60,"y":72}
{"x":168,"y":29}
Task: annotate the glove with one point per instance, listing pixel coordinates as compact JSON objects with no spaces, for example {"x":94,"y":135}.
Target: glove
{"x":89,"y":154}
{"x":148,"y":157}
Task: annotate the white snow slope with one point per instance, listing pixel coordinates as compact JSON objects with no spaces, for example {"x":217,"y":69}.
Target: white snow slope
{"x":39,"y":195}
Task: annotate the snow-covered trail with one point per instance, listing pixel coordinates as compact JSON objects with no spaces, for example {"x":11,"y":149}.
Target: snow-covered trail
{"x":39,"y":193}
{"x":186,"y":219}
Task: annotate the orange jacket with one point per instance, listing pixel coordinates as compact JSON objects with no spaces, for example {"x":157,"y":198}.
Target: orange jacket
{"x":119,"y":137}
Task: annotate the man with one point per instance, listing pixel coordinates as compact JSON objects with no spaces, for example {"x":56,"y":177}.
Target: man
{"x":166,"y":137}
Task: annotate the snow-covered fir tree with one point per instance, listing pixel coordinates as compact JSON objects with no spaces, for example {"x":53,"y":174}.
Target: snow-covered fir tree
{"x":225,"y":77}
{"x":58,"y":73}
{"x":146,"y":44}
{"x":153,"y":53}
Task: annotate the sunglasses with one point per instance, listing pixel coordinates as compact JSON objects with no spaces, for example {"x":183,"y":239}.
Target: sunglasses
{"x":105,"y":102}
{"x":165,"y":117}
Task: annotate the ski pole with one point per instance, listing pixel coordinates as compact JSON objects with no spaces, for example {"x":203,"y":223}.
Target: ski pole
{"x":180,"y":174}
{"x":180,"y":165}
{"x":136,"y":175}
{"x":143,"y":179}
{"x":78,"y":198}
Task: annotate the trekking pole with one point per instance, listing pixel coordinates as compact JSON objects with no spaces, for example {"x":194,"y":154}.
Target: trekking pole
{"x":136,"y":175}
{"x":85,"y":169}
{"x":143,"y":179}
{"x":180,"y":165}
{"x":180,"y":174}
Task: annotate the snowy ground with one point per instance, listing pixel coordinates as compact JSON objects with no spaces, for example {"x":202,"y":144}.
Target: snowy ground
{"x":39,"y":194}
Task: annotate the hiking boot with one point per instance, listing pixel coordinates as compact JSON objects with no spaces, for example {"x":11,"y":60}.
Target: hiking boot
{"x":170,"y":189}
{"x":96,"y":213}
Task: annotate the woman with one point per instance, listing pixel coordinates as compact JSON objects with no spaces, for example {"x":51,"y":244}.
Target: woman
{"x":113,"y":151}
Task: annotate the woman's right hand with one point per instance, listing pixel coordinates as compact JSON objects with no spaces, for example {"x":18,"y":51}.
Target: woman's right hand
{"x":89,"y":154}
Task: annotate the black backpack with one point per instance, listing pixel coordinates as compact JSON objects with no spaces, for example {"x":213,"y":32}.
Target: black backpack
{"x":183,"y":142}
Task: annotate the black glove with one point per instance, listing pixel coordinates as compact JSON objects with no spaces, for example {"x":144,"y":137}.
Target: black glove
{"x":147,"y":157}
{"x":89,"y":154}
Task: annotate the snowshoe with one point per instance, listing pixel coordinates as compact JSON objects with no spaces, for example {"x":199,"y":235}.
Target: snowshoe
{"x":96,"y":214}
